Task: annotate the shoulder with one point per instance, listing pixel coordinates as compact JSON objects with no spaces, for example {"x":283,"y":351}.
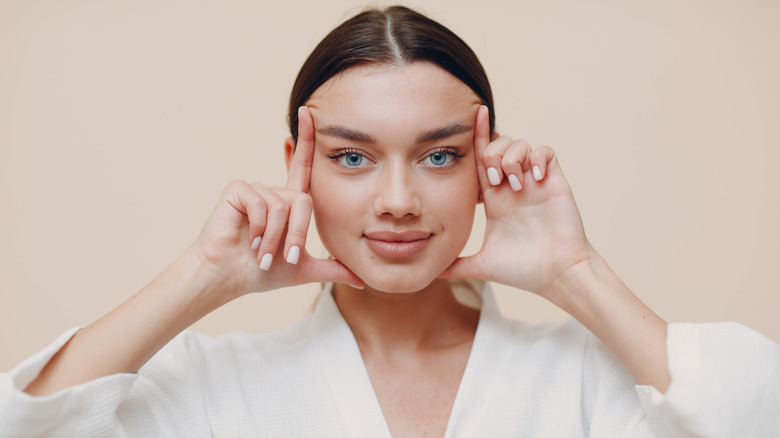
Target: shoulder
{"x":204,"y":351}
{"x":568,"y":334}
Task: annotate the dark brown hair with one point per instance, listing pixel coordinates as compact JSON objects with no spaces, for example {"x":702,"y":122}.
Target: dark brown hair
{"x":396,"y":35}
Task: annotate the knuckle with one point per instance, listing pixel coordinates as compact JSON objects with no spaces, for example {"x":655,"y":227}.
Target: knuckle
{"x":521,"y":145}
{"x":234,"y":185}
{"x":304,"y":200}
{"x":538,"y":155}
{"x":503,"y":139}
{"x":296,"y":235}
{"x":257,"y":186}
{"x":497,"y":149}
{"x":491,"y":155}
{"x":279,"y":208}
{"x":510,"y":161}
{"x":257,"y":200}
{"x":270,"y":243}
{"x":515,"y":155}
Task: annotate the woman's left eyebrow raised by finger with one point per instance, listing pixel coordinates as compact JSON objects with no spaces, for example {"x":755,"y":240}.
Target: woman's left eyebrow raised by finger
{"x":443,"y":132}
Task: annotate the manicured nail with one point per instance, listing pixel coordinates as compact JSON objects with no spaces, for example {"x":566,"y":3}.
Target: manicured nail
{"x":265,"y":262}
{"x":537,"y":173}
{"x":293,"y":254}
{"x":514,"y":181}
{"x":256,"y":242}
{"x":493,"y":176}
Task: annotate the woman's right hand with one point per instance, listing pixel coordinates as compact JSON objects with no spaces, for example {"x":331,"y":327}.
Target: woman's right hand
{"x":221,"y":265}
{"x":254,"y":240}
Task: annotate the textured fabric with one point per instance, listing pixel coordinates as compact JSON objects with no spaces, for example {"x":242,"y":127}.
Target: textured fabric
{"x":549,"y":380}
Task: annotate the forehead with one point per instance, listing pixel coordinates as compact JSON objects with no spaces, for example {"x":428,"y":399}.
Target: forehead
{"x":393,"y":100}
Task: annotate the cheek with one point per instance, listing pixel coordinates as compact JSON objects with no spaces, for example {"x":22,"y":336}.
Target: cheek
{"x":461,"y":210}
{"x":459,"y":192}
{"x":455,"y":200}
{"x":336,"y":203}
{"x":324,"y":195}
{"x":458,"y":204}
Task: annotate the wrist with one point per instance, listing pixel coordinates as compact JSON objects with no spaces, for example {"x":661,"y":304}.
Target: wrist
{"x":570,"y":286}
{"x":197,"y":283}
{"x":595,"y":296}
{"x":592,"y":292}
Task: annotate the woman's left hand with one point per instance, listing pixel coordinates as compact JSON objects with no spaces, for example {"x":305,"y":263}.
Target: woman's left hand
{"x":534,"y":234}
{"x":534,"y":240}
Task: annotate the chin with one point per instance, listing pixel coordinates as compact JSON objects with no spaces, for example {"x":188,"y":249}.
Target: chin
{"x":397,"y":277}
{"x":408,"y":279}
{"x":397,"y":286}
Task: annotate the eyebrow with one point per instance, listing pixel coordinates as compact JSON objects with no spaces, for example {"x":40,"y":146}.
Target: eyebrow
{"x":362,"y":137}
{"x":347,"y":134}
{"x":443,"y":132}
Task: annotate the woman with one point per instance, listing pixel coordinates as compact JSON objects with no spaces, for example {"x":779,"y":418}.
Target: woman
{"x":392,"y":146}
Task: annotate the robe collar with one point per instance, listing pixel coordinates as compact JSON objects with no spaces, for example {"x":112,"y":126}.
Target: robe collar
{"x":342,"y":365}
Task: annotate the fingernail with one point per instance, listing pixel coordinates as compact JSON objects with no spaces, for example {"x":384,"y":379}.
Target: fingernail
{"x":293,"y":254}
{"x":357,"y":287}
{"x":537,"y":173}
{"x":256,"y":242}
{"x":514,"y":181}
{"x":265,"y":262}
{"x":300,"y":108}
{"x":493,"y":176}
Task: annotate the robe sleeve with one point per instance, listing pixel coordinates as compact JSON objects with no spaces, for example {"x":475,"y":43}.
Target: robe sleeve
{"x":725,"y":383}
{"x":162,"y":397}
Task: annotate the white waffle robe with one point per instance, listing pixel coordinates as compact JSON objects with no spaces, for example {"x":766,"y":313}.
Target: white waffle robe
{"x":309,"y":380}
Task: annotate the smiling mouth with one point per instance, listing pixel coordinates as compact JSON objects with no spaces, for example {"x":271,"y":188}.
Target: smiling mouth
{"x":397,"y":244}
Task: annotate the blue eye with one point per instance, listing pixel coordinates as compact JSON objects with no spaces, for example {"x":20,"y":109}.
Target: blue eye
{"x":348,"y":158}
{"x":443,"y":157}
{"x":352,"y":160}
{"x":438,"y":158}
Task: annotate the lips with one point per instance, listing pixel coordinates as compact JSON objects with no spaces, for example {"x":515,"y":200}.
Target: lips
{"x":397,"y":244}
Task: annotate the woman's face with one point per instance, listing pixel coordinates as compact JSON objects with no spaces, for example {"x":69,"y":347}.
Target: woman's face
{"x":394,"y":181}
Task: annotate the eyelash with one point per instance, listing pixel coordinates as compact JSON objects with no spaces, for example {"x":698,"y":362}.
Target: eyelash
{"x":335,"y":155}
{"x":453,"y":152}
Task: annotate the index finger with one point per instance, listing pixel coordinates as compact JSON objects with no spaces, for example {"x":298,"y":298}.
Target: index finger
{"x":481,"y":142}
{"x":300,"y":165}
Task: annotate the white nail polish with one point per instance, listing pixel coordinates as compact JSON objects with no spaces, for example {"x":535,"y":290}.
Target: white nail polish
{"x":492,"y":174}
{"x":256,"y":242}
{"x":537,"y":173}
{"x":514,"y":181}
{"x":265,"y":262}
{"x":293,"y":254}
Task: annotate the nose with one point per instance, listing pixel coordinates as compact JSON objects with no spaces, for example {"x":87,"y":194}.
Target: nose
{"x":397,"y":194}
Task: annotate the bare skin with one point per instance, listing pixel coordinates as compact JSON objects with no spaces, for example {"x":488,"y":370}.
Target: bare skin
{"x":220,"y":266}
{"x":415,"y":347}
{"x":415,"y":340}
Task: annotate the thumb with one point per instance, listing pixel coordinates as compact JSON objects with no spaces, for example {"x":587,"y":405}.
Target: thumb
{"x":331,"y":271}
{"x":463,"y":268}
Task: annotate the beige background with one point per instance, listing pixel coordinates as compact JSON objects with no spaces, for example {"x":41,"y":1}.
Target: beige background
{"x":120,"y":122}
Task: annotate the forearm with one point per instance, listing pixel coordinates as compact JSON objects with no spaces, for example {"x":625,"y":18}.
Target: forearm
{"x":594,"y":295}
{"x":123,"y":340}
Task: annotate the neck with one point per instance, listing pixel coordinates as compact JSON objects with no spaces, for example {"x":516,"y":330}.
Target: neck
{"x":429,"y":319}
